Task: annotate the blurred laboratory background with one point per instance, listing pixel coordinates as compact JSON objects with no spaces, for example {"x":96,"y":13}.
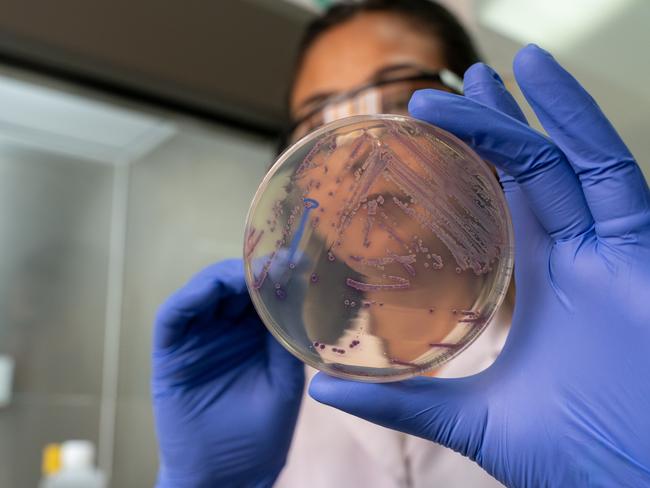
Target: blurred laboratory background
{"x":133,"y":135}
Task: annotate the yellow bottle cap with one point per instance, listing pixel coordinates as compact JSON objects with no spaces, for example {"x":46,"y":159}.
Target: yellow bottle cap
{"x":51,"y":459}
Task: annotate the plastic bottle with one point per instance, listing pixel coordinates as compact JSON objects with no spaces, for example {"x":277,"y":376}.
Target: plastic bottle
{"x":77,"y":468}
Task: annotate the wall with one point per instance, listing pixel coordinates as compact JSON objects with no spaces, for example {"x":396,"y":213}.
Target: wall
{"x":54,"y":234}
{"x":105,"y":209}
{"x":187,"y":205}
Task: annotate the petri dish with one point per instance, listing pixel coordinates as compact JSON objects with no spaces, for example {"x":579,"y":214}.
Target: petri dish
{"x":378,"y":247}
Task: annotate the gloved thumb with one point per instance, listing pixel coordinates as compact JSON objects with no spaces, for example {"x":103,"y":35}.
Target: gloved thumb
{"x":286,"y":371}
{"x":450,"y":412}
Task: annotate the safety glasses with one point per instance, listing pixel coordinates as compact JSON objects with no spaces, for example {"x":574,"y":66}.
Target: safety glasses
{"x":388,"y":95}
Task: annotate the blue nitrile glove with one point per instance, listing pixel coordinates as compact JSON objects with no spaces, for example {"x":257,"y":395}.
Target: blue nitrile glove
{"x":226,"y":395}
{"x":567,"y":403}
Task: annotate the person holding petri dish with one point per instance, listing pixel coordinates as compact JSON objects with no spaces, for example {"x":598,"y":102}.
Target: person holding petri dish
{"x":565,"y":402}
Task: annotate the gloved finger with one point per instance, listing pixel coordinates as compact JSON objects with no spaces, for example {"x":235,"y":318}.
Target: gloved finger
{"x":612,"y":181}
{"x":286,"y":371}
{"x":219,"y":283}
{"x":447,"y":411}
{"x":537,"y":165}
{"x":485,"y":86}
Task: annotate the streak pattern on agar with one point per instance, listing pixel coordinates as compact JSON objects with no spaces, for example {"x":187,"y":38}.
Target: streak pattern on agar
{"x":401,"y":284}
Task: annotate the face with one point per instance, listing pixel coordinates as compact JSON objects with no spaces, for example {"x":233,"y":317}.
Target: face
{"x":344,"y":58}
{"x":361,"y":50}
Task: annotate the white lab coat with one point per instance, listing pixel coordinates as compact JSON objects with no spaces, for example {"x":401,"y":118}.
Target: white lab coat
{"x":333,"y":449}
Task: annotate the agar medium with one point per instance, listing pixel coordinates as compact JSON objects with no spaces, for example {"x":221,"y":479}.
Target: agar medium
{"x":378,"y":248}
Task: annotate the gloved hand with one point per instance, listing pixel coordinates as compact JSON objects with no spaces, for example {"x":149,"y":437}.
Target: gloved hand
{"x":226,"y":395}
{"x":567,"y":403}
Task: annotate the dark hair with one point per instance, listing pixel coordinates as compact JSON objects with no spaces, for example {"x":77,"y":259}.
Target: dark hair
{"x":457,"y":47}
